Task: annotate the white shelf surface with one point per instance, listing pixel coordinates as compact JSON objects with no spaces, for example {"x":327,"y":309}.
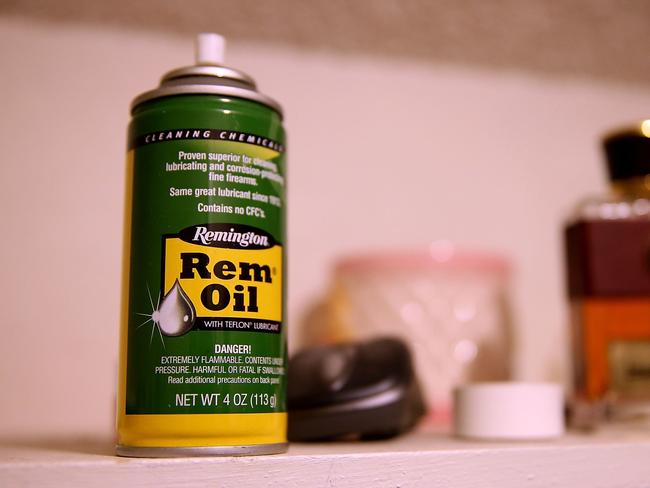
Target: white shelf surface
{"x":423,"y":459}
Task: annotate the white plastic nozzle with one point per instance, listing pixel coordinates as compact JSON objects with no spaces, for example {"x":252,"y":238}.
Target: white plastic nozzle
{"x":210,"y":48}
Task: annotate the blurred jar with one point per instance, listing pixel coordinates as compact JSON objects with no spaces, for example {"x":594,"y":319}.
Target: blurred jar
{"x":449,"y":306}
{"x":608,"y":272}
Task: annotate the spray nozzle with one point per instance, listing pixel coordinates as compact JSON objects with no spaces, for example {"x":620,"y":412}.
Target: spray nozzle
{"x":210,"y":49}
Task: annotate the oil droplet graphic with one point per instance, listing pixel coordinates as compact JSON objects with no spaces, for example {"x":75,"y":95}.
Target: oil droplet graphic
{"x":176,"y":313}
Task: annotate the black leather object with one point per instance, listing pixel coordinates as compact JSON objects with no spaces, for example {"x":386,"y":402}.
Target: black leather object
{"x":363,"y":390}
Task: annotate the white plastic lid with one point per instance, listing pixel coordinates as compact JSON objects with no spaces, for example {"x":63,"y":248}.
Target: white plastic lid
{"x":509,"y":410}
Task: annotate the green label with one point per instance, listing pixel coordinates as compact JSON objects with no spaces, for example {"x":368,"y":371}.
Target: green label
{"x":206,"y":313}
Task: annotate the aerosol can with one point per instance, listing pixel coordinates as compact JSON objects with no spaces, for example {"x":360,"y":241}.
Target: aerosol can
{"x":203,"y":339}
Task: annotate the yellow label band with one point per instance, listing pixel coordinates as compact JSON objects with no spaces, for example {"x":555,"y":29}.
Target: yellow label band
{"x":226,"y":282}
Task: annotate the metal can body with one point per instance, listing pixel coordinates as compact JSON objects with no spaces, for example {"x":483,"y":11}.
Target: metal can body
{"x":203,"y":342}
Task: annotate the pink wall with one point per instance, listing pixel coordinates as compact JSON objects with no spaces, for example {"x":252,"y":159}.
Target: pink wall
{"x":382,"y":153}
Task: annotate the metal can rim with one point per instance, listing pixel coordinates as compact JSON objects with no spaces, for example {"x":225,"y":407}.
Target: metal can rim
{"x":212,"y":71}
{"x":168,"y":91}
{"x":171,"y":452}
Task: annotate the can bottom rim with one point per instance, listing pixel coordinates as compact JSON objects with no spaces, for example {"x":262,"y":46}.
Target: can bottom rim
{"x":204,"y":451}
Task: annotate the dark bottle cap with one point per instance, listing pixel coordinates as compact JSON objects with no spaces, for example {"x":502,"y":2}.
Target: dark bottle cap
{"x":628,"y":152}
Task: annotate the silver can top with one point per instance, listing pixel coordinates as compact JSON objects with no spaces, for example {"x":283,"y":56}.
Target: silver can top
{"x":208,"y":76}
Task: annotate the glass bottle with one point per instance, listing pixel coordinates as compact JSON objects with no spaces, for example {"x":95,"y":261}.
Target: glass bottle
{"x":608,"y":270}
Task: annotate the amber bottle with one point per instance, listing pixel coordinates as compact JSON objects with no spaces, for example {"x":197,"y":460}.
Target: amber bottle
{"x":608,"y":271}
